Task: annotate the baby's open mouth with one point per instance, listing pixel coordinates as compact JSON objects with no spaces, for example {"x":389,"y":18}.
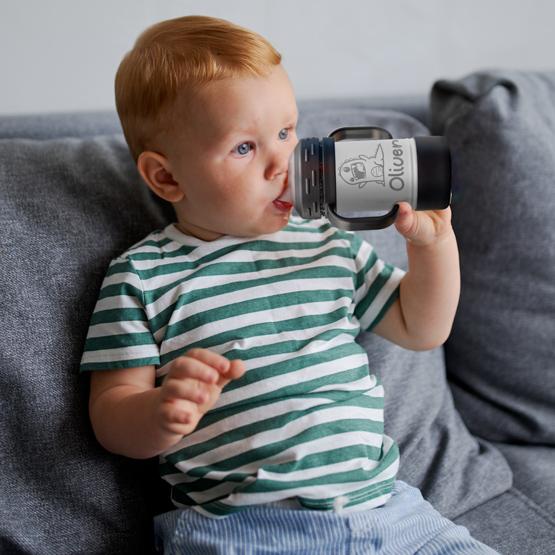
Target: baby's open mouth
{"x":283,"y":201}
{"x":282,"y":205}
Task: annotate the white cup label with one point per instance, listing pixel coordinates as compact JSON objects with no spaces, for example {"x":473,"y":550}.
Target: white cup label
{"x":374,"y":175}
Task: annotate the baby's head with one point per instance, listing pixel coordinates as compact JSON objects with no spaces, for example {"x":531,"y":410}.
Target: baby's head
{"x":209,"y":115}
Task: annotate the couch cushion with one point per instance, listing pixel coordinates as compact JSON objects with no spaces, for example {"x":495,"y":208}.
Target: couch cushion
{"x":67,"y":206}
{"x":58,"y":125}
{"x":501,"y":130}
{"x":533,"y":472}
{"x":512,"y":524}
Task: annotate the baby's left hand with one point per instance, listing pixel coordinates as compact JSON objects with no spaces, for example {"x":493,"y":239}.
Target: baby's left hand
{"x":424,"y":227}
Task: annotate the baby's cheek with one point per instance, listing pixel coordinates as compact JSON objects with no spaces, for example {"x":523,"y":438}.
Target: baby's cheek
{"x":238,"y":201}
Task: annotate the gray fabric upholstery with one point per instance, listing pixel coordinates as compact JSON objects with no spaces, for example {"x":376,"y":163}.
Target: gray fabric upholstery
{"x":512,"y":524}
{"x":501,"y":353}
{"x":93,"y":123}
{"x":67,"y":206}
{"x":414,"y":106}
{"x":534,"y":473}
{"x":56,"y":126}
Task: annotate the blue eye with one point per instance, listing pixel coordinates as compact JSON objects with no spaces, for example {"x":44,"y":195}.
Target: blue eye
{"x":283,"y":134}
{"x":243,"y":149}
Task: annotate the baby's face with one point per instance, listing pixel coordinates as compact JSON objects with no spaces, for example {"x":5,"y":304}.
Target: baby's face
{"x":231,"y":158}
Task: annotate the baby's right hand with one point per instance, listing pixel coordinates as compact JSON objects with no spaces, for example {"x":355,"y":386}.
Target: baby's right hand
{"x":192,"y":386}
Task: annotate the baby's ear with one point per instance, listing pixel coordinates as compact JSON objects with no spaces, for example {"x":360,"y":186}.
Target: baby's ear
{"x":154,"y":169}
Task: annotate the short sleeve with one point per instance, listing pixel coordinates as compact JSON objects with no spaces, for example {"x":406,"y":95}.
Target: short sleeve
{"x":119,"y":335}
{"x":376,"y":284}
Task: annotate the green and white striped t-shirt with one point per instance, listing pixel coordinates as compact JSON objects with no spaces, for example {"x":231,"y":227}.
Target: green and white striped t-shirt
{"x":305,"y":422}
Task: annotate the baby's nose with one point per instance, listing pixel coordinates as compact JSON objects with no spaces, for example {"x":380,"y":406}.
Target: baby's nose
{"x":278,"y":161}
{"x":277,"y":169}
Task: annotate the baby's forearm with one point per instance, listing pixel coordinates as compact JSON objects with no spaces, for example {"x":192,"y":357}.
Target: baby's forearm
{"x":429,"y":293}
{"x":126,"y":422}
{"x":131,"y":417}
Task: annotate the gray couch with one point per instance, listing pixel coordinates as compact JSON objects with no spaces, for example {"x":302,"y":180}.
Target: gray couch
{"x":475,"y":419}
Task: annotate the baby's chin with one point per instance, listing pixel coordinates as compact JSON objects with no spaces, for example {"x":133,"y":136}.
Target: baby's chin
{"x":277,"y":222}
{"x":264,"y":226}
{"x":251,"y":225}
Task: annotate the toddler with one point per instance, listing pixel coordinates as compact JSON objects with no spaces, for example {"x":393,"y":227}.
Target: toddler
{"x":225,"y":343}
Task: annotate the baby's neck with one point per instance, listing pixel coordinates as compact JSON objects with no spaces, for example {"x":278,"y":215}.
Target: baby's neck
{"x":198,"y":232}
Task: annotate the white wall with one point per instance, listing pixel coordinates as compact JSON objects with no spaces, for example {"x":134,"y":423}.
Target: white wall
{"x":60,"y":55}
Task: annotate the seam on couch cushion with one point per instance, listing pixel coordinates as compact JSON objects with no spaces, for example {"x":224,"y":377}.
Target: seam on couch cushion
{"x":523,"y":498}
{"x":534,"y":506}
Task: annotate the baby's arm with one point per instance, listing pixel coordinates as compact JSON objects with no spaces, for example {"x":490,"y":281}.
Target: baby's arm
{"x":132,"y":417}
{"x":422,"y":316}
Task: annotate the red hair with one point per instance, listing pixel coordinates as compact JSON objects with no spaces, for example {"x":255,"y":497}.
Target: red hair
{"x":176,"y":58}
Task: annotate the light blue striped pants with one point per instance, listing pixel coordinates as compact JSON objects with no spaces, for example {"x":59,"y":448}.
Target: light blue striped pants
{"x":405,"y":525}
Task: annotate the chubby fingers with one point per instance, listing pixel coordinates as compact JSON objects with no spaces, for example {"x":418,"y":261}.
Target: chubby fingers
{"x":190,"y":377}
{"x":406,"y":220}
{"x":188,"y":389}
{"x":192,"y":386}
{"x":228,"y":370}
{"x":215,"y":360}
{"x":236,"y":370}
{"x":199,"y":364}
{"x":424,"y":227}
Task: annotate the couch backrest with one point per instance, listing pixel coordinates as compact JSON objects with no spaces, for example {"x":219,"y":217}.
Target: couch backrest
{"x":67,"y":206}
